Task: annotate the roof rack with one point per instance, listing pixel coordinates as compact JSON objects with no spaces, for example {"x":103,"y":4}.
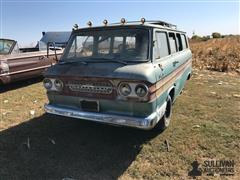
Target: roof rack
{"x":162,"y":23}
{"x":154,"y":22}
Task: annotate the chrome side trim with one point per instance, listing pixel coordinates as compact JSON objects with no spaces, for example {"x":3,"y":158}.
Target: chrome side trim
{"x":30,"y":55}
{"x":137,"y":122}
{"x":26,"y":70}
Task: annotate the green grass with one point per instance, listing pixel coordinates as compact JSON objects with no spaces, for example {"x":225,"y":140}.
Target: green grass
{"x":205,"y":125}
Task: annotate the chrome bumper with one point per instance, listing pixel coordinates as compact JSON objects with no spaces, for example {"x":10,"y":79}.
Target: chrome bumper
{"x":143,"y":123}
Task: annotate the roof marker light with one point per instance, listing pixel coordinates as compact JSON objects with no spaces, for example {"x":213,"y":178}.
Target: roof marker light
{"x":75,"y":27}
{"x":89,"y":23}
{"x":123,"y":21}
{"x":105,"y":22}
{"x":143,"y":20}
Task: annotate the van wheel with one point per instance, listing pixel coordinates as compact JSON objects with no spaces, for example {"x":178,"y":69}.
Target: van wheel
{"x":165,"y":120}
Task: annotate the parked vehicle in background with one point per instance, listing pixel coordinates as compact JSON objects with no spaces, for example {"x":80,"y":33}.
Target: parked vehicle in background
{"x":23,"y":63}
{"x":126,"y":74}
{"x":60,"y":37}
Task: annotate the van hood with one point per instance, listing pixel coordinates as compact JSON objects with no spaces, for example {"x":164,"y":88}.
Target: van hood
{"x":140,"y":71}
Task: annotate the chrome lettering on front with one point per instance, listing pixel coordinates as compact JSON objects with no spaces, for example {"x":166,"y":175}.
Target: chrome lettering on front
{"x":90,"y":87}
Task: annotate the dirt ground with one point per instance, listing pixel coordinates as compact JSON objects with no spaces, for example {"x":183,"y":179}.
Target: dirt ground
{"x":34,"y":145}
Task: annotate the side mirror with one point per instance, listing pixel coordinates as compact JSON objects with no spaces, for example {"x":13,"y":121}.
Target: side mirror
{"x":52,"y":48}
{"x":55,"y":48}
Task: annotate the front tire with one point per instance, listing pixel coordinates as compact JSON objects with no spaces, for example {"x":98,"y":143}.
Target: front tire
{"x":165,"y":120}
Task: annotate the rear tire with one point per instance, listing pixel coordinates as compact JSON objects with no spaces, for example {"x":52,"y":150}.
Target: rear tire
{"x":165,"y":120}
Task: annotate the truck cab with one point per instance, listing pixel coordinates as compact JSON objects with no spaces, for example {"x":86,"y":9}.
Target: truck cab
{"x":126,"y":74}
{"x":8,"y":46}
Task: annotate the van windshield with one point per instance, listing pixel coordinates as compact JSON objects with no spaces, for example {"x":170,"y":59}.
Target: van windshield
{"x":118,"y":44}
{"x":5,"y":46}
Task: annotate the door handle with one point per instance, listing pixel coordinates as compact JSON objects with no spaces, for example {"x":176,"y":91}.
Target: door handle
{"x":42,"y":57}
{"x":160,"y":66}
{"x":175,"y":62}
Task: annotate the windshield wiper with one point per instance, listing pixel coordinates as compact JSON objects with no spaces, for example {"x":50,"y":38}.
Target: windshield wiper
{"x":121,"y":62}
{"x":71,"y":62}
{"x":102,"y":59}
{"x":132,"y":61}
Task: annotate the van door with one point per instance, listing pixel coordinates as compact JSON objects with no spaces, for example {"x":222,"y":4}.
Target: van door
{"x":164,"y":53}
{"x":167,"y":59}
{"x":162,"y":57}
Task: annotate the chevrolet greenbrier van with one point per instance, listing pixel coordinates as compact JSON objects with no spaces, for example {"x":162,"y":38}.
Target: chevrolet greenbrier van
{"x":126,"y":74}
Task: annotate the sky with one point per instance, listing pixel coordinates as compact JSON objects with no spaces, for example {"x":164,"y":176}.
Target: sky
{"x":24,"y":20}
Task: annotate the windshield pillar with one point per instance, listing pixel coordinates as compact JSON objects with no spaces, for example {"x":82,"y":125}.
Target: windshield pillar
{"x":95,"y":45}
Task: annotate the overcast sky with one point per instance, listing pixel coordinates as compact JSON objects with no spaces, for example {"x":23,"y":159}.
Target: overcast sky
{"x":25,"y":20}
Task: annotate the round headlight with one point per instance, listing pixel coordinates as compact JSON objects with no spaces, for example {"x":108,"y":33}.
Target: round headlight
{"x":58,"y":84}
{"x":47,"y":83}
{"x":141,"y":90}
{"x":124,"y":89}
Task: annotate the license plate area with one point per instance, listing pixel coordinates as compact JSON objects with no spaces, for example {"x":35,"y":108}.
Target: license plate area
{"x":92,"y":106}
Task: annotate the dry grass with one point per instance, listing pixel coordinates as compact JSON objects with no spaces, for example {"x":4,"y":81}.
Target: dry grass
{"x":217,"y":54}
{"x":205,"y":125}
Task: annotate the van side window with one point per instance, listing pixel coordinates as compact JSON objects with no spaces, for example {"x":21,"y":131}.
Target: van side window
{"x":184,"y":41}
{"x":173,"y":43}
{"x":162,"y":44}
{"x":179,"y":42}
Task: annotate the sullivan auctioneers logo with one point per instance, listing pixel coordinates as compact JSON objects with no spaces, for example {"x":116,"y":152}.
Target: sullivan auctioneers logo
{"x":212,"y":167}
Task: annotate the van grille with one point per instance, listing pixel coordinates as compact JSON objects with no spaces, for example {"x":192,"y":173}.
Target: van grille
{"x":90,"y":87}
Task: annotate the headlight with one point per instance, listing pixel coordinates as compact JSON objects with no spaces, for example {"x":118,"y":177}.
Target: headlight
{"x":141,"y":90}
{"x":4,"y":68}
{"x":58,"y":84}
{"x":47,"y":83}
{"x":124,"y":89}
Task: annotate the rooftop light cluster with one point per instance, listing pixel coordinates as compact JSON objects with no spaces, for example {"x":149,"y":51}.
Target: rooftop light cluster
{"x":105,"y":23}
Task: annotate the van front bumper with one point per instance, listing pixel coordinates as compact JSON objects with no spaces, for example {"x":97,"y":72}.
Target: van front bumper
{"x":137,"y":122}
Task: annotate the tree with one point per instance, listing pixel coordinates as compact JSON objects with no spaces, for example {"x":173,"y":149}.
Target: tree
{"x":196,"y":37}
{"x":205,"y":38}
{"x":216,"y":35}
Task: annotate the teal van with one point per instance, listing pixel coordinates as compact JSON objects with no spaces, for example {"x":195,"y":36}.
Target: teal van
{"x":125,"y":74}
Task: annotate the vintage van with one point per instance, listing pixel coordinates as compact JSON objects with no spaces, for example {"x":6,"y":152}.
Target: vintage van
{"x":126,"y":74}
